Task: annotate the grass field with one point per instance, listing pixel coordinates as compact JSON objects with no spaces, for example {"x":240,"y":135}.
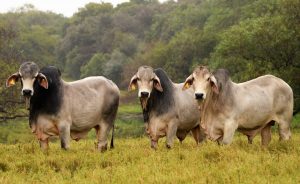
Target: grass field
{"x":133,"y":161}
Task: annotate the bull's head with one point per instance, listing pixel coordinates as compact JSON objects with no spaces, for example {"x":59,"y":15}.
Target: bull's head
{"x":145,"y":80}
{"x":202,"y":81}
{"x":28,"y":74}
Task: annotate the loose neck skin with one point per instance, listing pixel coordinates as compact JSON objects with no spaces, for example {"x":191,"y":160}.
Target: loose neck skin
{"x":215,"y":104}
{"x":46,"y":101}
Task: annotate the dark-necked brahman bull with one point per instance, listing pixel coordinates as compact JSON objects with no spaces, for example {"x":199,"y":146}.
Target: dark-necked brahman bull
{"x":67,"y":109}
{"x":167,"y":110}
{"x":249,"y":107}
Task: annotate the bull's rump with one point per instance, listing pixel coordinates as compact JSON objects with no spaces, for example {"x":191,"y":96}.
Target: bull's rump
{"x":186,"y":108}
{"x":261,"y":99}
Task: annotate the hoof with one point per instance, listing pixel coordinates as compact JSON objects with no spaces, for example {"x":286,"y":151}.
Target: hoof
{"x":153,"y":144}
{"x":168,"y":146}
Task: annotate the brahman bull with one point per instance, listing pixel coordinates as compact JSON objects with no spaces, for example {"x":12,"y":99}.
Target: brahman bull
{"x":67,"y":109}
{"x":250,"y":107}
{"x":167,"y":110}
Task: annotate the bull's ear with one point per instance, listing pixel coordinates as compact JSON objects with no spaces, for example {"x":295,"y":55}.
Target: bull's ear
{"x":188,"y":82}
{"x":214,"y":84}
{"x":133,"y":83}
{"x":12,"y":79}
{"x":42,"y":79}
{"x":157,"y":84}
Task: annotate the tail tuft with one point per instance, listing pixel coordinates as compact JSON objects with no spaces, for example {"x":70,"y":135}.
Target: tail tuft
{"x":112,"y":137}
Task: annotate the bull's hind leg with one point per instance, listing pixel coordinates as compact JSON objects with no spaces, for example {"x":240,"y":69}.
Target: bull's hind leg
{"x":266,"y":134}
{"x":250,"y":139}
{"x":102,"y":133}
{"x":284,"y":128}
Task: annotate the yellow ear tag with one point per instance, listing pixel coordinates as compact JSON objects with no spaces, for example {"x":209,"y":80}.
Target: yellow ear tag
{"x":12,"y":82}
{"x":133,"y":87}
{"x":186,"y":86}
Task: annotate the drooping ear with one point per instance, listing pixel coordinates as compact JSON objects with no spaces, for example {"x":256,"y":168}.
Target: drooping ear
{"x":133,"y":83}
{"x":188,"y":82}
{"x":11,"y":81}
{"x":214,"y":84}
{"x":157,"y":84}
{"x":41,"y":78}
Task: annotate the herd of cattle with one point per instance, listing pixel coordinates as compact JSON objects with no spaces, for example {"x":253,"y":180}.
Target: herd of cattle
{"x":207,"y":104}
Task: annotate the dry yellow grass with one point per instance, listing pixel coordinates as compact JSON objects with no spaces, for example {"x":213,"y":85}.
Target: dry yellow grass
{"x":133,"y":161}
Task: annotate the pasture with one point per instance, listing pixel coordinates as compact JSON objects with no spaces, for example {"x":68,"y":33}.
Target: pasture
{"x":133,"y":161}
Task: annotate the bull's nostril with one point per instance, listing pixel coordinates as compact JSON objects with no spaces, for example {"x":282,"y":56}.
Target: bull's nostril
{"x":199,"y":96}
{"x":145,"y":94}
{"x":27,"y":92}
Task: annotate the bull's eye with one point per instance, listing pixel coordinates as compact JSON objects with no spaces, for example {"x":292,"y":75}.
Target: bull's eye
{"x":138,"y":79}
{"x":208,"y":79}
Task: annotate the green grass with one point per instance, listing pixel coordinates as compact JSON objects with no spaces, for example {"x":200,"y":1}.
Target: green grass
{"x":130,"y":109}
{"x":296,"y":121}
{"x":133,"y":161}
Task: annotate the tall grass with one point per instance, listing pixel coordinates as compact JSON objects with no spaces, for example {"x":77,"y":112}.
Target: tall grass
{"x":133,"y":161}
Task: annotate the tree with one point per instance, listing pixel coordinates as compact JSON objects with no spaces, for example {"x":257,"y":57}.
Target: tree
{"x":96,"y":65}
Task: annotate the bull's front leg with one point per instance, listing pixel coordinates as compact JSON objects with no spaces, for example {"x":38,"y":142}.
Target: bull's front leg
{"x":64,"y":134}
{"x":171,"y":133}
{"x":229,"y":129}
{"x":44,"y":144}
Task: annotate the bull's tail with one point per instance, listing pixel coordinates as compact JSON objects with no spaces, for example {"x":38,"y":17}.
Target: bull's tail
{"x":112,"y":137}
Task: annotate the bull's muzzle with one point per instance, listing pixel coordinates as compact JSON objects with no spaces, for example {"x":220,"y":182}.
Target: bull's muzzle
{"x":145,"y":94}
{"x":27,"y":92}
{"x":199,"y":96}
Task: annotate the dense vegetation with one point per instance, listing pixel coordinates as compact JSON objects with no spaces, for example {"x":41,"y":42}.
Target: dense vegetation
{"x":249,"y":38}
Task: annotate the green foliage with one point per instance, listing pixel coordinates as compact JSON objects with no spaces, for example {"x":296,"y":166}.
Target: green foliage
{"x":95,"y":66}
{"x":249,"y":37}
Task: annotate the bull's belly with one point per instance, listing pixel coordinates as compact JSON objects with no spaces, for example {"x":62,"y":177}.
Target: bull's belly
{"x":254,"y":119}
{"x":79,"y":135}
{"x":83,"y":126}
{"x":250,"y":132}
{"x":82,"y":121}
{"x":187,"y":125}
{"x":252,"y":124}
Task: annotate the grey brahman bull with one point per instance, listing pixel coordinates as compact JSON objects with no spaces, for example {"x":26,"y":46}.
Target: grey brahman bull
{"x":67,"y":109}
{"x":167,"y":110}
{"x":249,"y":107}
